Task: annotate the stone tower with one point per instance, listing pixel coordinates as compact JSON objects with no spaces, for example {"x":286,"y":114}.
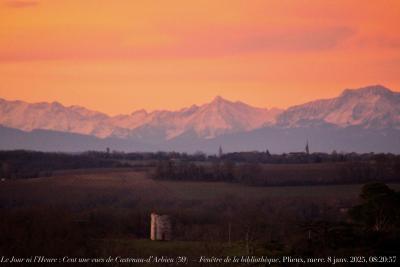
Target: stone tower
{"x":160,"y":228}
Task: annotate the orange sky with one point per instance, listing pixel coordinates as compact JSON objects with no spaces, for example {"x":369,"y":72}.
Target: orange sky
{"x":118,"y":56}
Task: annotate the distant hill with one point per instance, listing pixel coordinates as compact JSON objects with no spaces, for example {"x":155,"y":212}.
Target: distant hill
{"x":45,"y":140}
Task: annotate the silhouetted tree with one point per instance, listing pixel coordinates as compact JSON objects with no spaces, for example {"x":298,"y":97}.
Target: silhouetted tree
{"x":379,"y":210}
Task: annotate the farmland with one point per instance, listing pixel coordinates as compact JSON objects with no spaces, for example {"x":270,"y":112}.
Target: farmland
{"x":106,"y":212}
{"x":74,"y":186}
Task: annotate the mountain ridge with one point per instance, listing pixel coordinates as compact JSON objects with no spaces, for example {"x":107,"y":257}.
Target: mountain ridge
{"x":372,"y":106}
{"x":76,"y":119}
{"x":376,"y":109}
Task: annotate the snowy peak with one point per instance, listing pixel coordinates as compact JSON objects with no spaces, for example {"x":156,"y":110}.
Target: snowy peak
{"x":223,"y":116}
{"x":210,"y":120}
{"x":50,"y":116}
{"x":218,"y":99}
{"x":370,"y":107}
{"x":372,"y":90}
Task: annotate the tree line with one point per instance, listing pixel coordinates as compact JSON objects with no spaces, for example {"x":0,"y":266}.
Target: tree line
{"x":257,"y":174}
{"x":242,"y":167}
{"x":21,"y":164}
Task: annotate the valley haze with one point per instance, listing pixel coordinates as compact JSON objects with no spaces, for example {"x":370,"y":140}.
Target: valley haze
{"x":358,"y":120}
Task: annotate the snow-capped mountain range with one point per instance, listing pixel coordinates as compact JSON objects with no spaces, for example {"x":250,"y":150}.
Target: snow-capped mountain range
{"x":372,"y":108}
{"x":369,"y":107}
{"x":207,"y":121}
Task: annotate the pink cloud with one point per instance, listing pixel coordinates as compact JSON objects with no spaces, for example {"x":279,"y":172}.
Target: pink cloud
{"x":188,"y":43}
{"x":378,"y":41}
{"x":21,"y":4}
{"x":249,"y":40}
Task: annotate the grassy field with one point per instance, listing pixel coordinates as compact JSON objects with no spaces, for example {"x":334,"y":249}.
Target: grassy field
{"x":107,"y":213}
{"x":201,"y":190}
{"x":82,"y":186}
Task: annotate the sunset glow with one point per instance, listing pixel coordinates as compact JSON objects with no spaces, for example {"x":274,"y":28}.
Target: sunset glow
{"x":118,"y":56}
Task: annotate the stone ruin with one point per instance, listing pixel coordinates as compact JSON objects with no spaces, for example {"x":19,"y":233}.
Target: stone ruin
{"x":160,"y":227}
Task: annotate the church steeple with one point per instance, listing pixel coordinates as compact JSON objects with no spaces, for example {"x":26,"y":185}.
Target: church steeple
{"x":220,"y":152}
{"x":307,"y":148}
